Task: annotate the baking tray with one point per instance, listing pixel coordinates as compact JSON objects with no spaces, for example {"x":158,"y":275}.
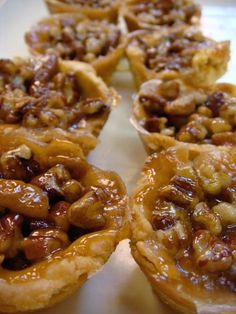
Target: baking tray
{"x":120,"y":287}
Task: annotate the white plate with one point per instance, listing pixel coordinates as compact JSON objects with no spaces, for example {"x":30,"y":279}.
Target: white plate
{"x":120,"y":288}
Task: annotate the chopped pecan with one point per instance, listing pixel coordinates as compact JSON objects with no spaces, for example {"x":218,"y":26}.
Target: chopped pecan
{"x":88,"y":212}
{"x":10,"y":234}
{"x":53,"y":181}
{"x":207,"y":218}
{"x":226,"y":212}
{"x":44,"y":242}
{"x":212,"y":254}
{"x":59,"y":215}
{"x":22,"y":198}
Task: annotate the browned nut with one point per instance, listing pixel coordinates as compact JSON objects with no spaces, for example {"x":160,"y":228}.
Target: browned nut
{"x":92,"y":106}
{"x":207,"y":218}
{"x":177,"y":236}
{"x":192,"y":132}
{"x":44,"y":242}
{"x":219,"y":125}
{"x":226,"y":212}
{"x":59,"y":215}
{"x":72,"y":190}
{"x":22,"y":198}
{"x":169,"y":90}
{"x":213,"y":181}
{"x":10,"y":234}
{"x":18,"y":164}
{"x":88,"y":212}
{"x":212,"y":254}
{"x":182,"y":191}
{"x":53,"y":180}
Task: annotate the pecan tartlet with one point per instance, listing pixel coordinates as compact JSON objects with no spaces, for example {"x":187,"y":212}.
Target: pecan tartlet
{"x":184,"y":228}
{"x":93,"y":9}
{"x":54,"y":98}
{"x":159,"y":14}
{"x":60,"y":220}
{"x":166,"y":113}
{"x":181,"y":53}
{"x":73,"y":37}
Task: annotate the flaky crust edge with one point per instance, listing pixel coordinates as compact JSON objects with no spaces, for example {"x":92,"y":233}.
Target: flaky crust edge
{"x":60,"y":279}
{"x":110,"y":13}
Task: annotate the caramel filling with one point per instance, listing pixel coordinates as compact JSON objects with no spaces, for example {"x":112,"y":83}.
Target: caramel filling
{"x":43,"y":211}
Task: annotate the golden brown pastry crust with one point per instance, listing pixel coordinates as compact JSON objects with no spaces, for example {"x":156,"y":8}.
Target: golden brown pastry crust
{"x":104,"y":65}
{"x":167,"y":19}
{"x":154,"y":141}
{"x":207,"y":64}
{"x":110,"y":13}
{"x":51,"y":280}
{"x":89,"y":85}
{"x":156,"y":260}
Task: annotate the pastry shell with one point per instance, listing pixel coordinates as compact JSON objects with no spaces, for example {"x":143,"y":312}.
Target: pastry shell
{"x":154,"y":259}
{"x":104,"y":65}
{"x":53,"y":279}
{"x":155,"y":142}
{"x":208,"y":63}
{"x":90,"y":85}
{"x":110,"y":13}
{"x":134,"y":23}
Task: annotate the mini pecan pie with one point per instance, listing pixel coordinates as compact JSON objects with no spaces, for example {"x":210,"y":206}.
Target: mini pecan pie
{"x":184,"y":228}
{"x":168,"y":112}
{"x":54,"y":98}
{"x":73,"y":37}
{"x":60,"y":220}
{"x":140,"y":14}
{"x":93,"y":9}
{"x":181,"y":53}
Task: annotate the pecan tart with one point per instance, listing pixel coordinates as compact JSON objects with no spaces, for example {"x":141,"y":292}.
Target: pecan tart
{"x":72,"y":37}
{"x":54,"y":98}
{"x":166,"y":113}
{"x":159,"y":14}
{"x":60,"y":220}
{"x":181,"y":53}
{"x":93,"y":9}
{"x":184,"y":228}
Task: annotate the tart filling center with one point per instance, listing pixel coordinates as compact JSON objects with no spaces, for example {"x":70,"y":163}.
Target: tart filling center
{"x":37,"y":94}
{"x":192,"y":116}
{"x":174,"y":51}
{"x":164,"y":12}
{"x":42,"y":211}
{"x":73,"y":39}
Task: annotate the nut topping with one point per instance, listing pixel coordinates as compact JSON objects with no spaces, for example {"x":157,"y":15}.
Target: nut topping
{"x":22,"y":198}
{"x":188,"y":199}
{"x":203,"y":116}
{"x":44,"y":242}
{"x":88,"y":212}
